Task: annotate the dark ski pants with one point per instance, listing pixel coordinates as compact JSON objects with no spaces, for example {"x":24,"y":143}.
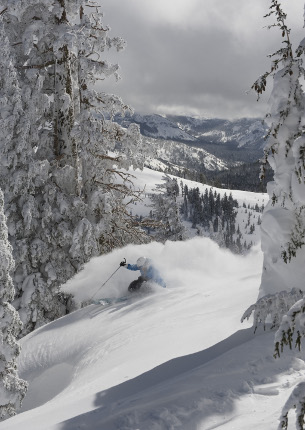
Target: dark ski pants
{"x":136,"y":285}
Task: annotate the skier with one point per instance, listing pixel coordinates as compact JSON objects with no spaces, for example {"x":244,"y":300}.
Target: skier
{"x":148,"y":273}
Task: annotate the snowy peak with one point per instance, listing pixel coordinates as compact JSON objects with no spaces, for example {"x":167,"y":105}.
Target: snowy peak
{"x":241,"y":132}
{"x":157,"y":126}
{"x":244,"y":132}
{"x":200,"y":145}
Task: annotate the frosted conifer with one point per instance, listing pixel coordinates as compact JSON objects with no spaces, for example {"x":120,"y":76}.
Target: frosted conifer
{"x":166,"y":210}
{"x":12,"y":388}
{"x":66,"y":184}
{"x":283,"y":221}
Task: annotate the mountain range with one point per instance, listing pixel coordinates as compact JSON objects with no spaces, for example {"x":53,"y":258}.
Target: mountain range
{"x":217,"y":151}
{"x":243,"y":136}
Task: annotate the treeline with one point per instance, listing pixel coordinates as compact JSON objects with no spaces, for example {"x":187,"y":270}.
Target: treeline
{"x":210,"y":211}
{"x":215,"y":216}
{"x":244,"y":177}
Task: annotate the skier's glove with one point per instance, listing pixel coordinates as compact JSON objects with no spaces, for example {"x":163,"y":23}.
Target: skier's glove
{"x":123,"y":263}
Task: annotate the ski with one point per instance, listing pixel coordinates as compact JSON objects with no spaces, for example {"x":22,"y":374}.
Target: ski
{"x":104,"y":301}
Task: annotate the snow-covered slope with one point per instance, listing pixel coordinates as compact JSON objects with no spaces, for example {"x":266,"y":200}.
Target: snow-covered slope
{"x":246,"y":214}
{"x":240,"y":140}
{"x":241,"y":132}
{"x":177,"y":358}
{"x":157,"y":126}
{"x":180,"y":156}
{"x":174,"y":358}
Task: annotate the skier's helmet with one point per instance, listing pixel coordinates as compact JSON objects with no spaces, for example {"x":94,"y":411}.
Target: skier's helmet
{"x":141,"y":261}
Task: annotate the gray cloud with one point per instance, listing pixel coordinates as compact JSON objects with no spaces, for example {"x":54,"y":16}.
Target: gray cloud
{"x":200,"y":67}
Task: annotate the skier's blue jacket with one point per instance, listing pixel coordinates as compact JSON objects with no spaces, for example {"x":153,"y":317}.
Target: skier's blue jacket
{"x":148,"y":273}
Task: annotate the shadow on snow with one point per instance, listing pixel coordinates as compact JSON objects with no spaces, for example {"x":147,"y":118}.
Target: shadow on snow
{"x":130,"y":403}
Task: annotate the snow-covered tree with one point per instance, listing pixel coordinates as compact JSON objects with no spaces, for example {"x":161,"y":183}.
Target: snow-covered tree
{"x":217,"y":232}
{"x":272,"y":308}
{"x":166,"y":211}
{"x":64,"y":159}
{"x":283,"y":221}
{"x":12,"y":388}
{"x":290,"y":333}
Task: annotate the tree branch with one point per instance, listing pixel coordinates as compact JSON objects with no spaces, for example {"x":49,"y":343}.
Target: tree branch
{"x":106,"y":157}
{"x":38,"y":66}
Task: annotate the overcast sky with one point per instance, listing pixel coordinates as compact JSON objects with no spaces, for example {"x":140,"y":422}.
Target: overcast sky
{"x":195,"y":57}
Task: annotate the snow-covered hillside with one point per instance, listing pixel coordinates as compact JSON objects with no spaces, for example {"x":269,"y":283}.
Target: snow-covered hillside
{"x":174,"y":358}
{"x":157,"y":126}
{"x":179,"y":156}
{"x":247,"y":215}
{"x":241,"y":132}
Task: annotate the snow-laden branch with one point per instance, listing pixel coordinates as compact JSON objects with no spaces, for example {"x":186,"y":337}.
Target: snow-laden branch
{"x":272,"y":307}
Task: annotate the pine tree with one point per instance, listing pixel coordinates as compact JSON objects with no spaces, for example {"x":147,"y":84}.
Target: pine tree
{"x":12,"y":388}
{"x":284,"y":249}
{"x":207,"y":215}
{"x":217,"y":235}
{"x":283,"y":220}
{"x":166,"y":210}
{"x":64,"y":174}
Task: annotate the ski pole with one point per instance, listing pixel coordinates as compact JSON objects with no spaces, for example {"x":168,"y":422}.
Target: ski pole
{"x":106,"y":281}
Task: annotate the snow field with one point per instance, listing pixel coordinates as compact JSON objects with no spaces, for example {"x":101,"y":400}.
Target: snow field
{"x":176,"y":358}
{"x":147,"y":179}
